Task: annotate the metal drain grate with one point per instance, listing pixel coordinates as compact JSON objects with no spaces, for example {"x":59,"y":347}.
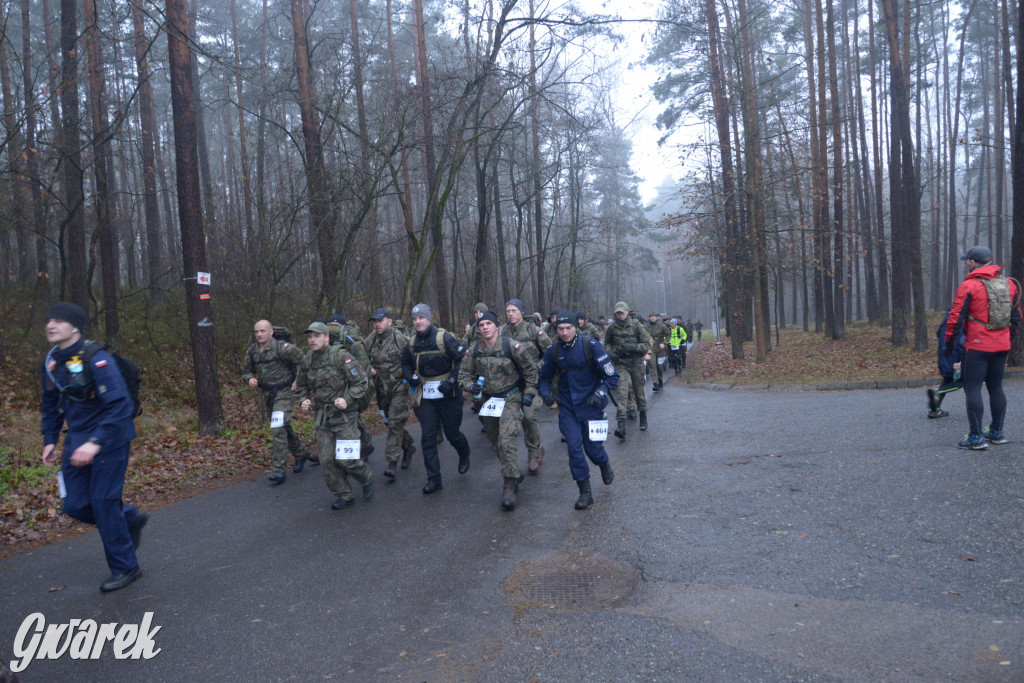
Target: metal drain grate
{"x":595,"y":585}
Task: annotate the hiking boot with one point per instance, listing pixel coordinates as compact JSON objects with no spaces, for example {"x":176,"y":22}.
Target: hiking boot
{"x":536,"y":460}
{"x":607,"y":476}
{"x":508,"y":493}
{"x":300,"y":462}
{"x":643,"y":420}
{"x":621,"y":429}
{"x":586,"y":499}
{"x":135,"y":530}
{"x":994,"y":437}
{"x":276,"y":478}
{"x":407,"y":454}
{"x":368,"y":490}
{"x":464,"y":462}
{"x":932,"y":414}
{"x":975,"y":442}
{"x":631,"y":414}
{"x":391,"y":471}
{"x":933,"y":401}
{"x":342,"y":503}
{"x":655,"y":387}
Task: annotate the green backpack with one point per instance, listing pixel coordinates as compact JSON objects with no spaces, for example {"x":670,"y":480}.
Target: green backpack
{"x":1000,"y":302}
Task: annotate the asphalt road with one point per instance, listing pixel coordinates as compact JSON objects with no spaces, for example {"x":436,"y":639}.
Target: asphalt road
{"x":749,"y":536}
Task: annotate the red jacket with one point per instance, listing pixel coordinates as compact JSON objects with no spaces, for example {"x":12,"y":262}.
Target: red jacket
{"x":972,"y":299}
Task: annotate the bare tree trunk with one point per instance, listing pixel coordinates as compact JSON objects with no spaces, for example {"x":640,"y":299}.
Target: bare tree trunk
{"x":42,"y":276}
{"x":101,"y":146}
{"x":203,"y":147}
{"x":321,"y":216}
{"x":838,"y":330}
{"x":243,"y":144}
{"x":538,"y":198}
{"x":204,"y":352}
{"x":74,"y":278}
{"x":15,"y":151}
{"x":1017,"y":179}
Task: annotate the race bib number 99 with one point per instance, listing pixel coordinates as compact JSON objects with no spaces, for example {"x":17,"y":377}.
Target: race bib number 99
{"x":598,"y":430}
{"x":277,"y":419}
{"x":346,"y":449}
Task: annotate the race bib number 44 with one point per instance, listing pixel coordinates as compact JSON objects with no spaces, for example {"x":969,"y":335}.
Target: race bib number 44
{"x":598,"y":430}
{"x":346,"y":449}
{"x":493,"y":408}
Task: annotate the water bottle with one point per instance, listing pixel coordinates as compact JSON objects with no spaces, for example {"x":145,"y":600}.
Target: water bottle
{"x":415,"y":377}
{"x":480,"y":383}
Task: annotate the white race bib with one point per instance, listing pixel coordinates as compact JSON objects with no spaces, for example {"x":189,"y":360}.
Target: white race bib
{"x":346,"y":450}
{"x":493,"y":408}
{"x":277,"y":419}
{"x":60,"y":485}
{"x":432,"y":389}
{"x":661,"y":361}
{"x":675,"y":348}
{"x":598,"y":430}
{"x":383,"y":416}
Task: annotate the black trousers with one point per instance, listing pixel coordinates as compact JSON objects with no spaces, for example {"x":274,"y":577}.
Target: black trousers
{"x":984,"y":367}
{"x":433,"y":413}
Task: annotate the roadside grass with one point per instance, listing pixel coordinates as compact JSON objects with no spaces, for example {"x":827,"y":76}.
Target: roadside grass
{"x":803,"y":358}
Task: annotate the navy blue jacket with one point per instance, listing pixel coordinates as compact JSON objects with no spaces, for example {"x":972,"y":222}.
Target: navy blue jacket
{"x":577,"y":379}
{"x":105,"y":414}
{"x":946,"y":362}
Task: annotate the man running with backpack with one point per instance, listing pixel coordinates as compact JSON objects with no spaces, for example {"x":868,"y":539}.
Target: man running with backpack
{"x":987,"y":309}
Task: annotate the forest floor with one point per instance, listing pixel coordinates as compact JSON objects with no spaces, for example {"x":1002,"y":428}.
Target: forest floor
{"x":171,"y":461}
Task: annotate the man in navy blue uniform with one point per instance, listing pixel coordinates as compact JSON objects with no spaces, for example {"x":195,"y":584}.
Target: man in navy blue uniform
{"x":99,"y":412}
{"x":586,"y":378}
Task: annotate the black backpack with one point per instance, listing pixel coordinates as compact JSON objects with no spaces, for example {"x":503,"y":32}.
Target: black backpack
{"x":129,"y":372}
{"x":282,"y":333}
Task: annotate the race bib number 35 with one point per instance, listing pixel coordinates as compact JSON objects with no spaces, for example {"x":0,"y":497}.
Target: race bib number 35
{"x":277,"y":419}
{"x":346,"y":449}
{"x":598,"y":430}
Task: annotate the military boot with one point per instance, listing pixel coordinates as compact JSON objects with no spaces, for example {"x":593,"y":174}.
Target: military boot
{"x":508,"y":494}
{"x":643,"y":420}
{"x":407,"y":454}
{"x":586,"y":499}
{"x":536,"y":459}
{"x":631,"y":414}
{"x":391,"y":471}
{"x":607,"y":476}
{"x":621,"y":430}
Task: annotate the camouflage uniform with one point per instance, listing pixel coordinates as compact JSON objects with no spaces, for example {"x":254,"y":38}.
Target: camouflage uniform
{"x":536,"y":343}
{"x":325,"y":375}
{"x":659,"y":336}
{"x":392,"y":393}
{"x":627,"y":342}
{"x":473,"y":334}
{"x":351,"y":339}
{"x":501,"y":378}
{"x":274,"y":368}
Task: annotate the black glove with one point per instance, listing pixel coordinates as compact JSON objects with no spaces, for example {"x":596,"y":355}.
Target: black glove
{"x":629,"y":347}
{"x":948,"y":350}
{"x":549,"y":400}
{"x":596,"y":399}
{"x":414,"y":382}
{"x":527,"y":400}
{"x":477,"y":391}
{"x":447,"y":387}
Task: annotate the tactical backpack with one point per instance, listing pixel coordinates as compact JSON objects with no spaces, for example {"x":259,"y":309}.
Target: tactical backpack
{"x":1000,"y":302}
{"x":129,"y":373}
{"x":282,"y":333}
{"x":292,"y":369}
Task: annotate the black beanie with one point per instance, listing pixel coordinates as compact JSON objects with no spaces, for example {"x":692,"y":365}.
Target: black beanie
{"x":68,"y":312}
{"x":566,"y":317}
{"x":488,"y":315}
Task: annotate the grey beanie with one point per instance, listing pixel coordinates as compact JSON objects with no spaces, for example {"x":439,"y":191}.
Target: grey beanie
{"x":518,"y":303}
{"x":423,"y":311}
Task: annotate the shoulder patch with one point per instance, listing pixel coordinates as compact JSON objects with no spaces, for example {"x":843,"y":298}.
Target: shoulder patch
{"x":101,"y":363}
{"x":355,"y":372}
{"x":518,"y":346}
{"x":467,"y":351}
{"x":286,"y":345}
{"x":348,"y":360}
{"x":460,"y":349}
{"x":609,"y":369}
{"x":51,"y":365}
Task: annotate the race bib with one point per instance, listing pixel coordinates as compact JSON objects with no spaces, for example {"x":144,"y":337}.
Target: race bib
{"x":277,"y":419}
{"x":346,"y":450}
{"x":493,"y":408}
{"x":598,"y":430}
{"x":674,"y":348}
{"x":383,"y":416}
{"x":60,"y":485}
{"x":432,"y":389}
{"x":661,"y":361}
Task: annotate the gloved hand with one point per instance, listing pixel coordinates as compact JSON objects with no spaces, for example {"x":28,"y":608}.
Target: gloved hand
{"x":527,"y":400}
{"x":447,"y":387}
{"x":629,"y":347}
{"x":414,"y":382}
{"x":477,"y":391}
{"x":596,"y":399}
{"x":549,"y":400}
{"x":948,"y":350}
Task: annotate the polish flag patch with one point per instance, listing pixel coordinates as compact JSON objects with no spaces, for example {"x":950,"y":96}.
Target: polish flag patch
{"x":100,"y":363}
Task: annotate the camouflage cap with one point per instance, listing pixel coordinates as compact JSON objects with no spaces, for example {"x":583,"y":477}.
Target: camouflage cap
{"x":621,"y":306}
{"x":318,"y":328}
{"x":481,"y":307}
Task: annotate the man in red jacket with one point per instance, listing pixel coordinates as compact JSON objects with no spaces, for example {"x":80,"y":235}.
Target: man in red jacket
{"x":987,"y":308}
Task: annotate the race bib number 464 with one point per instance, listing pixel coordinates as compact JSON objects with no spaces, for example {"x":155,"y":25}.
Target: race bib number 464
{"x":598,"y":430}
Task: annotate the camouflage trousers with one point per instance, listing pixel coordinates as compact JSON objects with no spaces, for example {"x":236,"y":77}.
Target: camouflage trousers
{"x":284,"y":438}
{"x":631,"y":376}
{"x":399,"y":439}
{"x":531,"y":430}
{"x":343,"y":426}
{"x":503,"y":433}
{"x":660,"y":362}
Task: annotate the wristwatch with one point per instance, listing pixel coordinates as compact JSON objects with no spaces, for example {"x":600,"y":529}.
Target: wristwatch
{"x":94,"y":441}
